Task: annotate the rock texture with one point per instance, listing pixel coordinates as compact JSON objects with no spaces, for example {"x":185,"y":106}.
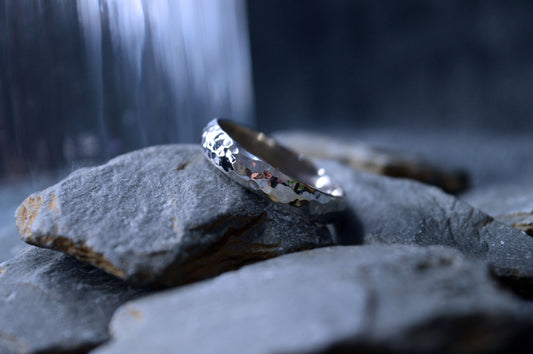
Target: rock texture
{"x":365,"y":157}
{"x":162,"y":215}
{"x":50,"y":302}
{"x":358,"y":299}
{"x":489,"y":159}
{"x":387,"y":210}
{"x":11,"y":194}
{"x":509,"y":204}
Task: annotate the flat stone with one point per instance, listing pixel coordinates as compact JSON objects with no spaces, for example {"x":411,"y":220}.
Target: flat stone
{"x":366,"y":157}
{"x":510,"y":204}
{"x":389,"y":210}
{"x":50,"y":302}
{"x":12,"y":193}
{"x":487,"y":158}
{"x":354,"y":298}
{"x":162,"y":215}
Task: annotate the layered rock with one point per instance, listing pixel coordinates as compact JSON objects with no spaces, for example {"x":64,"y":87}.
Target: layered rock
{"x":369,"y":158}
{"x":399,"y":211}
{"x":162,"y":215}
{"x":509,"y":204}
{"x":50,"y":302}
{"x":338,"y":299}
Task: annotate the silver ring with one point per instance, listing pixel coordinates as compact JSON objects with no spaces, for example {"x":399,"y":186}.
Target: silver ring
{"x":260,"y":164}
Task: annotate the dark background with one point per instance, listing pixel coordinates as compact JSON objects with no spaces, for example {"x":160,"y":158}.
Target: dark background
{"x":445,"y":67}
{"x":457,"y":65}
{"x":82,"y":81}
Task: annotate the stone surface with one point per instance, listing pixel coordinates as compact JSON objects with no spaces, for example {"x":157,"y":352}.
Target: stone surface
{"x":50,"y":302}
{"x":511,"y":204}
{"x":162,"y":215}
{"x":388,"y":210}
{"x":488,"y":159}
{"x":366,"y":157}
{"x":12,"y":193}
{"x":358,"y":298}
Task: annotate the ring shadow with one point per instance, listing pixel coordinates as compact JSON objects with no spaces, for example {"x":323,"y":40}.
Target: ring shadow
{"x":348,"y":228}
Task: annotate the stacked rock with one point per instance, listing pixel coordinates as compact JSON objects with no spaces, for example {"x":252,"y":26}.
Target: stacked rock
{"x":407,"y":268}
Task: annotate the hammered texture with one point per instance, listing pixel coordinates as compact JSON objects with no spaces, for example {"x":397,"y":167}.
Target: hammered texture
{"x":235,"y":161}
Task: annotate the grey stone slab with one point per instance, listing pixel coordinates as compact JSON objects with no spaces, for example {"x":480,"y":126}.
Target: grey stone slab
{"x":370,"y":158}
{"x":12,"y":193}
{"x":511,"y":204}
{"x":162,"y":215}
{"x":359,"y":298}
{"x":389,"y":210}
{"x":50,"y":302}
{"x":487,"y":158}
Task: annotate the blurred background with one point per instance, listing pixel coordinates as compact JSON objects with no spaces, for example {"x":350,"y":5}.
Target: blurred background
{"x":462,"y":65}
{"x":82,"y":81}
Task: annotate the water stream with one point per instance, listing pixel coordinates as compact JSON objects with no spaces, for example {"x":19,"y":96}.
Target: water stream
{"x":84,"y":80}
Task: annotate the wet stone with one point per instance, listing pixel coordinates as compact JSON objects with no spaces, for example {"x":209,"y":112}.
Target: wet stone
{"x":366,"y":157}
{"x":162,"y":215}
{"x":50,"y":302}
{"x":13,"y":192}
{"x":336,"y":299}
{"x":510,"y":204}
{"x":400,"y":211}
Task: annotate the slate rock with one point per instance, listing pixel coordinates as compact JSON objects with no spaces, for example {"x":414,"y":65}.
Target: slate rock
{"x":50,"y":302}
{"x":12,"y":192}
{"x":366,"y":157}
{"x":162,"y":215}
{"x":488,"y":158}
{"x":510,"y":204}
{"x":358,"y":298}
{"x":388,"y":210}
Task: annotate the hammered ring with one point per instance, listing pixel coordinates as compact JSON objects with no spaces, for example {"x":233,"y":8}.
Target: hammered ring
{"x":262,"y":165}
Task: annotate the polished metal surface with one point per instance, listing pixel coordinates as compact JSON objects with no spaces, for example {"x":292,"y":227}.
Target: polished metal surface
{"x":259,"y":163}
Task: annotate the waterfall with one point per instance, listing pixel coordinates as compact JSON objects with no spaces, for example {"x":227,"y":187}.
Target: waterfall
{"x":85,"y":80}
{"x":180,"y":62}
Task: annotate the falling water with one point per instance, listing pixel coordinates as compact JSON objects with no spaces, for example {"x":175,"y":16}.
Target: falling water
{"x":178,"y":63}
{"x":84,"y":80}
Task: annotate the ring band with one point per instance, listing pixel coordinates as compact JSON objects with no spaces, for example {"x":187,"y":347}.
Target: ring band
{"x":260,"y":164}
